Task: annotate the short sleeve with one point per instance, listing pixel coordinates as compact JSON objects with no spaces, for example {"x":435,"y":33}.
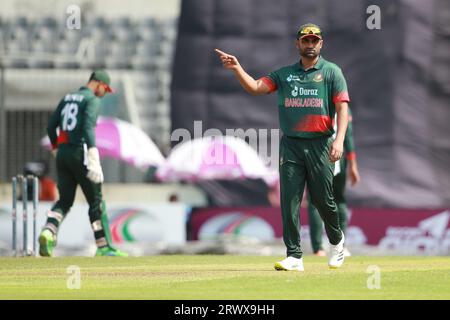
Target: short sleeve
{"x":53,"y":124}
{"x":340,"y":92}
{"x":272,"y":81}
{"x":91,"y":114}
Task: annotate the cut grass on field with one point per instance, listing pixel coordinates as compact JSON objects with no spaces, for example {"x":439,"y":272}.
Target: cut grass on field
{"x":214,"y":277}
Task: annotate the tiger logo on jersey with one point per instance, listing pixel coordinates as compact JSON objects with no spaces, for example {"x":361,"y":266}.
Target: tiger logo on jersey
{"x":318,"y":77}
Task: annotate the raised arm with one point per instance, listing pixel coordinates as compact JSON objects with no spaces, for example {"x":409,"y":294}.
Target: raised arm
{"x":252,"y":86}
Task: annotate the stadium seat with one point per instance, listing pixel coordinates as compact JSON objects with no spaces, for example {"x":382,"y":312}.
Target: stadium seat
{"x":144,"y":44}
{"x":145,"y":34}
{"x":95,"y":22}
{"x":100,"y":35}
{"x":19,"y":21}
{"x":120,"y":56}
{"x":147,"y":22}
{"x":97,"y":59}
{"x":121,"y":22}
{"x":70,"y":37}
{"x":167,"y":29}
{"x":146,"y":93}
{"x":66,"y":47}
{"x":47,"y":33}
{"x":148,"y":49}
{"x":40,"y":56}
{"x":147,"y":81}
{"x":40,"y":46}
{"x":66,"y":51}
{"x":142,"y":63}
{"x":14,"y":62}
{"x":65,"y":64}
{"x":48,"y":22}
{"x":167,"y":49}
{"x":124,"y":34}
{"x":38,"y":63}
{"x":127,"y":48}
{"x":14,"y":46}
{"x":19,"y":34}
{"x":46,"y":38}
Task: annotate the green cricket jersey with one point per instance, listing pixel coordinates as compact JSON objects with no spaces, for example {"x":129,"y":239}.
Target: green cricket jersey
{"x":76,"y":117}
{"x":306,"y":98}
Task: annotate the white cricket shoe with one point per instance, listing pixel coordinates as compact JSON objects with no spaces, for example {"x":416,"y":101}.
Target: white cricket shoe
{"x":337,"y":254}
{"x":290,"y":264}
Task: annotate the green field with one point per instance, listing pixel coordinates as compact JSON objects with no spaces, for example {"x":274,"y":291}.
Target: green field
{"x":198,"y":277}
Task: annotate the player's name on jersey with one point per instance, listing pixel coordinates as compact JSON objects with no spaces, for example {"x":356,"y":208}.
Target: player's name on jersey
{"x":74,"y":97}
{"x":303,"y":102}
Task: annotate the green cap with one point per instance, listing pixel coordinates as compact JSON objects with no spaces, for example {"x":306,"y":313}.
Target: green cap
{"x":309,"y":29}
{"x":102,"y":76}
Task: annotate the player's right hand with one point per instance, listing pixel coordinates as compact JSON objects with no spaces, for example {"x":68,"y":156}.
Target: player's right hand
{"x":95,"y":172}
{"x":54,"y":153}
{"x":336,"y":150}
{"x":228,"y":61}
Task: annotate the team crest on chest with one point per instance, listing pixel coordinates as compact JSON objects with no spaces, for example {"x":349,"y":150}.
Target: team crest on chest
{"x":318,"y":77}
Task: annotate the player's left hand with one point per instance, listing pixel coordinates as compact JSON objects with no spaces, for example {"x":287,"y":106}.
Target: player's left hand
{"x":353,"y":172}
{"x":336,"y":150}
{"x":54,"y":153}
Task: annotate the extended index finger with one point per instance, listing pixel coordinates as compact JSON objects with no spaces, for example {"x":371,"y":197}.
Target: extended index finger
{"x":220,"y":52}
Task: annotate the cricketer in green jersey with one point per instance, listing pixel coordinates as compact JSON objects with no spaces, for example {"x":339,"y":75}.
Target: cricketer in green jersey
{"x":78,"y":163}
{"x":339,"y":182}
{"x":310,"y":93}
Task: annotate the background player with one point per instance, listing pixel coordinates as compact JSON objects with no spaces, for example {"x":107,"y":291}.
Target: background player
{"x":78,"y":163}
{"x":339,"y":182}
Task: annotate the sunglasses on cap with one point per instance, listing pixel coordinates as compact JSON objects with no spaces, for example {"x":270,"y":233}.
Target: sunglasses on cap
{"x":309,"y":31}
